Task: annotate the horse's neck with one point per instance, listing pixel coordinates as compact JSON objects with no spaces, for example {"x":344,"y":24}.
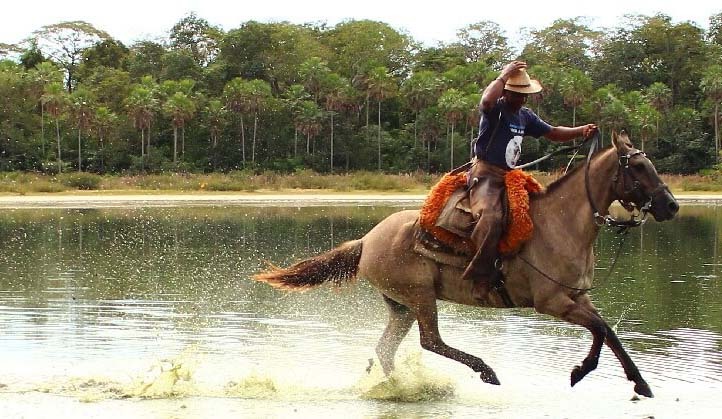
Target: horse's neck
{"x":566,"y":207}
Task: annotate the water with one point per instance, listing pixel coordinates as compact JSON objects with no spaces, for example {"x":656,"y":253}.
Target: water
{"x":150,"y":313}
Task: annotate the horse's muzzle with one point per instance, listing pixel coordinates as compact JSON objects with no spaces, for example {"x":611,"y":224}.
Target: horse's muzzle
{"x":664,"y":206}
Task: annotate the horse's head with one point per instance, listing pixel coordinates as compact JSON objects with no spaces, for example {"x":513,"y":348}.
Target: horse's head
{"x":637,"y":183}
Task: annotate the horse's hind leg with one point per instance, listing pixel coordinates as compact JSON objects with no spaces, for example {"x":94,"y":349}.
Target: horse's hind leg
{"x":427,"y":316}
{"x":400,"y":321}
{"x":631,"y":370}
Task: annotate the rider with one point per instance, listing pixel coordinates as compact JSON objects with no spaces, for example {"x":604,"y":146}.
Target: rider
{"x":504,"y":122}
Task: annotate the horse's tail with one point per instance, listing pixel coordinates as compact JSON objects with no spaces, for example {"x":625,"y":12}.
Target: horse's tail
{"x":336,"y":266}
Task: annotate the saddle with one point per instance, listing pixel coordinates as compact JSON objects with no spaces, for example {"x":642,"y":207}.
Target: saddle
{"x":446,"y":222}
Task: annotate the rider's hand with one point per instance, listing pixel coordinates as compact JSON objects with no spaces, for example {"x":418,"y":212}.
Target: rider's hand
{"x":589,"y":130}
{"x":510,"y":69}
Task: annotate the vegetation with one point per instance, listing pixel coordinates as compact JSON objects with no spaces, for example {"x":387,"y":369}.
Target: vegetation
{"x":266,"y":101}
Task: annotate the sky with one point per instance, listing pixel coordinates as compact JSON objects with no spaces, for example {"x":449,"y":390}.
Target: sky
{"x":429,"y":22}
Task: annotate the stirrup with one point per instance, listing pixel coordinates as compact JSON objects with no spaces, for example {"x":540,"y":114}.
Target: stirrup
{"x":498,"y":264}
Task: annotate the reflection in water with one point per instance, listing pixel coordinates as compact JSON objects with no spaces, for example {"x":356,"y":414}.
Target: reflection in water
{"x":156,"y":305}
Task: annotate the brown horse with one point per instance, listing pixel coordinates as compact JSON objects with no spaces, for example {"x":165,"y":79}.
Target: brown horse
{"x":552,"y":272}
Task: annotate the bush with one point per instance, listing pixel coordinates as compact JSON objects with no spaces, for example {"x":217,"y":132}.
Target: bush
{"x":80,"y":180}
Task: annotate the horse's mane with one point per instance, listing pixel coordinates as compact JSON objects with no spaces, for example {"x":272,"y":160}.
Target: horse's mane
{"x":562,"y":180}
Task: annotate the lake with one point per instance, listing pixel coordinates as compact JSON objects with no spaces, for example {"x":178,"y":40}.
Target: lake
{"x":150,"y":313}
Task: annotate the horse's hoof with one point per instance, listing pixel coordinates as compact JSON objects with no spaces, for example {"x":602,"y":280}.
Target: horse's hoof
{"x":643,"y":389}
{"x":371,"y":365}
{"x":489,"y":377}
{"x":577,"y":375}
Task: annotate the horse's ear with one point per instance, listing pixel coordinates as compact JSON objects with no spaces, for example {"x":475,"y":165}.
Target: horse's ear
{"x":621,"y":141}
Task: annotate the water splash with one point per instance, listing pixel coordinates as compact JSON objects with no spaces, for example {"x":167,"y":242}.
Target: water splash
{"x":410,"y":382}
{"x":252,"y":387}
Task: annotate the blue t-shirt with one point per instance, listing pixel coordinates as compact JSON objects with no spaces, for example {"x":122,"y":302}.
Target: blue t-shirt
{"x":505,"y":149}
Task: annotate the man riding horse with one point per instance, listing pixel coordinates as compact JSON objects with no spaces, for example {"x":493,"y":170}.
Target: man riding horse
{"x":504,"y":123}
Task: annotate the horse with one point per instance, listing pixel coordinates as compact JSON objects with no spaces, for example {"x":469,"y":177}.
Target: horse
{"x":551,"y":273}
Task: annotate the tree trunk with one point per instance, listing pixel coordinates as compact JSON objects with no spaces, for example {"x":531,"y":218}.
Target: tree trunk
{"x":57,"y":133}
{"x":295,"y":142}
{"x":243,"y":142}
{"x":253,"y":145}
{"x":378,"y":130}
{"x":416,"y":120}
{"x":142,"y":149}
{"x":183,"y":141}
{"x":175,"y":144}
{"x":331,"y":142}
{"x":42,"y":128}
{"x":716,"y":132}
{"x":452,"y":146}
{"x":80,"y":160}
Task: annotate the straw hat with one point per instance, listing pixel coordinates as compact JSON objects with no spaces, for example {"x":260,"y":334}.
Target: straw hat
{"x":520,"y":82}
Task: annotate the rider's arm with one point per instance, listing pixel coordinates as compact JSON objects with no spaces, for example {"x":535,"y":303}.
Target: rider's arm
{"x":495,"y":89}
{"x":563,"y":134}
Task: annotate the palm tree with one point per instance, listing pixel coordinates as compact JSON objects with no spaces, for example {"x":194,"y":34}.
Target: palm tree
{"x":45,"y":72}
{"x":574,"y":87}
{"x":104,"y":120}
{"x":453,"y":104}
{"x":644,"y":117}
{"x":142,"y":104}
{"x":338,"y":99}
{"x":259,"y":92}
{"x":180,"y":108}
{"x":421,"y":90}
{"x":55,"y":100}
{"x":711,"y":86}
{"x":381,"y":86}
{"x":314,"y":72}
{"x":293,"y":97}
{"x":236,"y":97}
{"x":81,"y":106}
{"x":215,"y":115}
{"x":309,"y":120}
{"x":660,"y":97}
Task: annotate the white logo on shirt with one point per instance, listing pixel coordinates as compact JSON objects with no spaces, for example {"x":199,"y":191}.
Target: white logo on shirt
{"x":513,"y":151}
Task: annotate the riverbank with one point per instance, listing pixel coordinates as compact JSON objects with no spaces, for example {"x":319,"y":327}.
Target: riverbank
{"x":105,"y":199}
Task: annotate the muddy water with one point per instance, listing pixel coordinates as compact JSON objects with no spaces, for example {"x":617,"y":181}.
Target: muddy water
{"x":149,"y":313}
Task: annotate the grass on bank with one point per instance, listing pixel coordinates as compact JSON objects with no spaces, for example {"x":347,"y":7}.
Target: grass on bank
{"x":240,"y":181}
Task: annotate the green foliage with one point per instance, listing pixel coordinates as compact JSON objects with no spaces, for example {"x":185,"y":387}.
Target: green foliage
{"x":356,"y":96}
{"x":80,"y":180}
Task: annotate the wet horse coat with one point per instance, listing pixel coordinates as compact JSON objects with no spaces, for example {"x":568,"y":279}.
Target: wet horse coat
{"x":552,"y":272}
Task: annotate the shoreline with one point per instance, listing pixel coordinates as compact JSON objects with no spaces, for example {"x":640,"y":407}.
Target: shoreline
{"x":315,"y":198}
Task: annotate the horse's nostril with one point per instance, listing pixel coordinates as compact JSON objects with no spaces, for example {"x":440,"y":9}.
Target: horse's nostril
{"x":673,"y":207}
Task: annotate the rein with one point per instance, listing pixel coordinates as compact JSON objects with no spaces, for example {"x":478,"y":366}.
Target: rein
{"x":622,"y":226}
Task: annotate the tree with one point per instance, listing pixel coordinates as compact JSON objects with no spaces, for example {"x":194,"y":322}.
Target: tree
{"x":259,"y":92}
{"x":309,"y":121}
{"x":659,"y":96}
{"x":294,"y":97}
{"x":453,"y":105}
{"x":55,"y":100}
{"x":711,"y":86}
{"x":339,"y":97}
{"x":44,"y":73}
{"x":484,"y":42}
{"x":421,"y":90}
{"x":215,"y":116}
{"x":313,"y":73}
{"x":65,"y":43}
{"x":142,"y":104}
{"x":381,"y":86}
{"x":82,"y":111}
{"x":566,"y":43}
{"x":197,"y":37}
{"x":180,"y":108}
{"x":574,"y":87}
{"x":104,"y":122}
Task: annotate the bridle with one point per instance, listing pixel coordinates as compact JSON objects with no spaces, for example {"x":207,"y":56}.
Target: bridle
{"x":624,"y":175}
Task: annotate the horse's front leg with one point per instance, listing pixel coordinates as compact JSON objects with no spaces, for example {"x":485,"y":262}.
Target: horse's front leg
{"x":640,"y":386}
{"x":583,"y":313}
{"x":427,"y":317}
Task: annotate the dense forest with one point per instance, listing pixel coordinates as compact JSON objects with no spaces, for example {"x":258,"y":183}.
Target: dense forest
{"x":359,"y":95}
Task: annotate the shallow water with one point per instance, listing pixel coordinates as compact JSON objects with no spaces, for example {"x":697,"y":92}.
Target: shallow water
{"x":149,"y":313}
